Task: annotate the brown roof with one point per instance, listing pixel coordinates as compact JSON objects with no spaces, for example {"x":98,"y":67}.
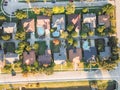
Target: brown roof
{"x":75,"y":19}
{"x":75,"y":56}
{"x":46,"y":58}
{"x":43,"y":21}
{"x":29,"y":25}
{"x":104,"y":20}
{"x":29,"y":57}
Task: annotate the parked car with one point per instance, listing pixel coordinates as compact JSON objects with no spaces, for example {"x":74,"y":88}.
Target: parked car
{"x":53,"y":1}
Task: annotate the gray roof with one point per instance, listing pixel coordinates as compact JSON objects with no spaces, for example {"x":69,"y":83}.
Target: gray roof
{"x":89,"y":53}
{"x":1,"y":55}
{"x":61,"y":56}
{"x":9,"y":55}
{"x":8,"y":24}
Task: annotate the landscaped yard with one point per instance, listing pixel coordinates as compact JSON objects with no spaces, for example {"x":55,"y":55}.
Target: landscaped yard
{"x":100,"y":44}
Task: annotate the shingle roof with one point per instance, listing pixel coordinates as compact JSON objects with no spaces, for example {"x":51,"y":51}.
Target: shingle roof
{"x":9,"y":27}
{"x":46,"y":58}
{"x":43,"y":21}
{"x":75,"y":19}
{"x":104,"y":20}
{"x":28,"y":25}
{"x":89,"y":53}
{"x":29,"y":57}
{"x":75,"y":55}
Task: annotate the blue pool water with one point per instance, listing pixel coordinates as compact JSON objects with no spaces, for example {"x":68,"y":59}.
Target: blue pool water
{"x":86,"y":45}
{"x":56,"y":34}
{"x":40,"y":31}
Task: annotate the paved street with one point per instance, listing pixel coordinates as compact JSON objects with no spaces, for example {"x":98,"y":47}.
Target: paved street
{"x":14,"y":5}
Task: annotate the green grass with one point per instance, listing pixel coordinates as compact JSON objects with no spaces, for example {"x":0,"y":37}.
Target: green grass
{"x":9,"y":47}
{"x":42,"y":47}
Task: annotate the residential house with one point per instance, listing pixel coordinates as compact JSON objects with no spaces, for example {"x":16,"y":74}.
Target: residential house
{"x":43,"y":25}
{"x":29,"y":25}
{"x":45,"y":59}
{"x":75,"y":20}
{"x":88,"y":50}
{"x":29,"y":57}
{"x":90,"y":21}
{"x":58,"y":21}
{"x":104,"y":20}
{"x":9,"y":27}
{"x":11,"y":57}
{"x":60,"y":57}
{"x":2,"y":59}
{"x":75,"y":55}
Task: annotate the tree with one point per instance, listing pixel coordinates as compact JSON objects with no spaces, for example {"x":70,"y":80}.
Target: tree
{"x":36,"y":10}
{"x":58,"y":9}
{"x":56,"y":42}
{"x":5,"y":37}
{"x":100,"y":29}
{"x":85,"y":10}
{"x":2,"y":18}
{"x":75,"y":43}
{"x":47,"y":12}
{"x":64,"y":35}
{"x":84,"y":35}
{"x":20,"y":36}
{"x":28,"y":48}
{"x":20,"y":14}
{"x":70,"y":27}
{"x":91,"y":33}
{"x":35,"y":46}
{"x":74,"y":34}
{"x":70,"y":41}
{"x":70,"y":8}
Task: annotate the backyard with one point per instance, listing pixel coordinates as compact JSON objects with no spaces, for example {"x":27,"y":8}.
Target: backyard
{"x":9,"y":47}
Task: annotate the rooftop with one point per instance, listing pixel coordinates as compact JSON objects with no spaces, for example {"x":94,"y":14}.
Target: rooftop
{"x":104,"y":20}
{"x":29,"y":57}
{"x":29,"y":25}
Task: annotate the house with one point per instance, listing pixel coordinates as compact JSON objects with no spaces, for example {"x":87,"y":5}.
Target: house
{"x":43,"y":25}
{"x":9,"y":27}
{"x":75,"y":55}
{"x":2,"y":59}
{"x":60,"y":57}
{"x":88,"y":50}
{"x":90,"y":20}
{"x":58,"y":22}
{"x":45,"y":59}
{"x":11,"y":57}
{"x":104,"y":20}
{"x":28,"y":25}
{"x":75,"y":20}
{"x":29,"y":57}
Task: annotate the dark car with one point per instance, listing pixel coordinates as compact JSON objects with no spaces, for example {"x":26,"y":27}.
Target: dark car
{"x":5,"y":4}
{"x":13,"y":72}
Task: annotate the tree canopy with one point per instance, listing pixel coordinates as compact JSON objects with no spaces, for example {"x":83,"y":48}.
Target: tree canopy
{"x":20,"y":14}
{"x":70,"y":8}
{"x":58,"y":9}
{"x":20,"y":36}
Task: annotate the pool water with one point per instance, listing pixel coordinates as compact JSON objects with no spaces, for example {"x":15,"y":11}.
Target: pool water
{"x":40,"y":31}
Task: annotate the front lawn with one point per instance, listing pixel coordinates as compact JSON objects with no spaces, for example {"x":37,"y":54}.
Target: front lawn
{"x":42,"y":47}
{"x":9,"y":47}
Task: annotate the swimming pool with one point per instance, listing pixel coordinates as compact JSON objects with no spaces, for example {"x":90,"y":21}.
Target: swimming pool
{"x":56,"y":34}
{"x":86,"y":45}
{"x":40,"y":31}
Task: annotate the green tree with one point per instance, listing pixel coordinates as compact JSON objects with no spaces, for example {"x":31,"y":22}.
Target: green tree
{"x":70,"y":41}
{"x":36,"y":10}
{"x":20,"y":36}
{"x":20,"y":14}
{"x":84,"y":35}
{"x":2,"y":18}
{"x":58,"y":9}
{"x":100,"y":29}
{"x":28,"y":48}
{"x":70,"y":27}
{"x":64,"y":35}
{"x":47,"y":12}
{"x":35,"y":46}
{"x":74,"y":34}
{"x":85,"y":10}
{"x":5,"y":37}
{"x":70,"y":8}
{"x":75,"y":43}
{"x":91,"y":33}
